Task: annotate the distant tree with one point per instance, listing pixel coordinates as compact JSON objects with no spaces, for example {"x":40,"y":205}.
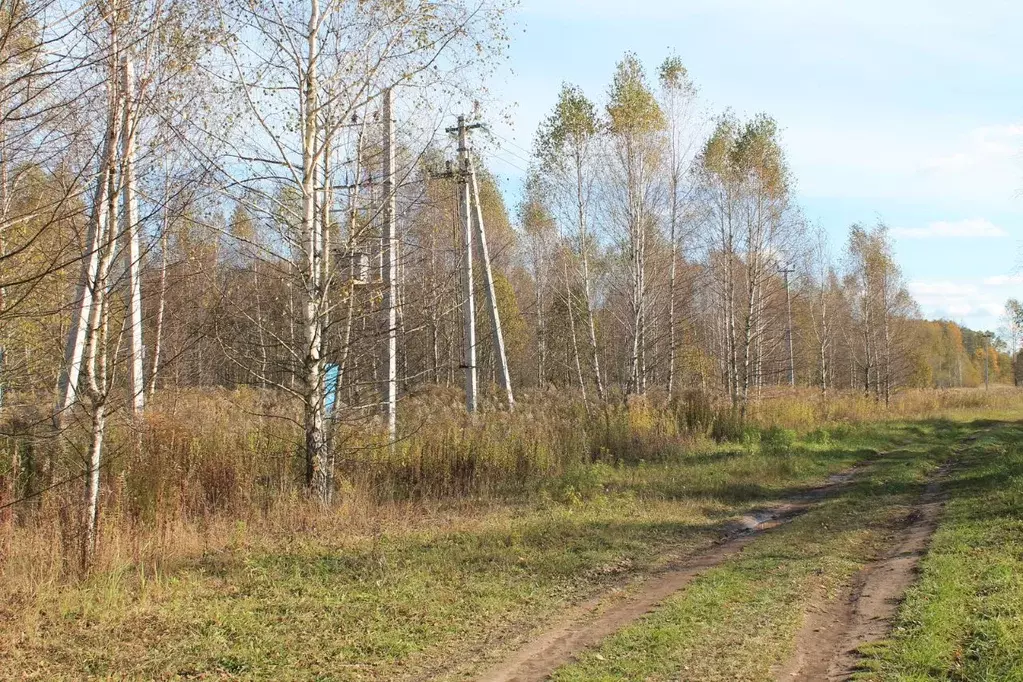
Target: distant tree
{"x":882,"y":304}
{"x":678,"y":101}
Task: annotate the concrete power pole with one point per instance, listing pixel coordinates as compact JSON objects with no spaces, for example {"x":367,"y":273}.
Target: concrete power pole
{"x":488,"y":277}
{"x":471,"y":214}
{"x":786,"y":271}
{"x":468,"y":303}
{"x":133,"y":253}
{"x":390,"y":258}
{"x":987,"y":344}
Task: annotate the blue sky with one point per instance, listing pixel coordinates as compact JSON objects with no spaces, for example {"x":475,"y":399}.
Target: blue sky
{"x":905,"y":110}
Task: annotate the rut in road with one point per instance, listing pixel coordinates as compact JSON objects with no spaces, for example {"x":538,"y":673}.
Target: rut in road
{"x":592,"y":622}
{"x":828,"y":643}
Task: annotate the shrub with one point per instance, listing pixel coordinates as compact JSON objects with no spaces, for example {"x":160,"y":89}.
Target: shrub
{"x":581,"y":483}
{"x":819,"y":436}
{"x":776,"y":440}
{"x":694,"y":412}
{"x":729,"y":426}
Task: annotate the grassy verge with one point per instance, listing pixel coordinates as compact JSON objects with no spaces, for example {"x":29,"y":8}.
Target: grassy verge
{"x":738,"y":621}
{"x":432,"y":591}
{"x":964,"y":619}
{"x":411,"y":597}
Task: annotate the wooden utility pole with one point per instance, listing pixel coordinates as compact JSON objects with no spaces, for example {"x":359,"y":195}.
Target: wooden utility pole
{"x":786,"y":270}
{"x":390,"y":258}
{"x":488,"y":278}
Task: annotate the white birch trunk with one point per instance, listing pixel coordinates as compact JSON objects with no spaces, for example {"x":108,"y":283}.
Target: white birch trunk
{"x":68,"y":382}
{"x":574,"y":337}
{"x":390,"y":257}
{"x":162,"y":304}
{"x":585,"y":261}
{"x":317,"y":476}
{"x":671,"y":286}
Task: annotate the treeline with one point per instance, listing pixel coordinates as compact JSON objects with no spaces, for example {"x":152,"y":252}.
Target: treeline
{"x":199,"y":195}
{"x":950,"y":356}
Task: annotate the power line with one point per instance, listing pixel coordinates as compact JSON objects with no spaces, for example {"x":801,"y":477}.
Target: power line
{"x":510,"y":163}
{"x":511,"y":142}
{"x":517,"y":156}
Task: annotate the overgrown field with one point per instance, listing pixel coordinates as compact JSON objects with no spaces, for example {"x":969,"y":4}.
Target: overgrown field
{"x":466,"y":536}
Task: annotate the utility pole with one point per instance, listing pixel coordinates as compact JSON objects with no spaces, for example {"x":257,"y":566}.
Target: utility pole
{"x":488,"y":277}
{"x":390,"y":258}
{"x":987,"y":343}
{"x":133,"y":253}
{"x":471,"y":214}
{"x":786,"y":270}
{"x":468,"y":303}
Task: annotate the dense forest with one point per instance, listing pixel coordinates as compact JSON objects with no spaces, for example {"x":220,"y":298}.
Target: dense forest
{"x":234,"y":246}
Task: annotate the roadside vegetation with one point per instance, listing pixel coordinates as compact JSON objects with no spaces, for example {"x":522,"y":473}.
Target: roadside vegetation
{"x":439,"y":565}
{"x":964,"y":618}
{"x":739,"y":621}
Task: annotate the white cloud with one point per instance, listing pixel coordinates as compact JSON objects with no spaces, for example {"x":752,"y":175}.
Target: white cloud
{"x":984,"y":165}
{"x":982,"y":146}
{"x":908,"y":18}
{"x":898,"y":158}
{"x":993,"y":309}
{"x":959,"y":310}
{"x":1003,"y":280}
{"x":979,"y":302}
{"x":924,"y":289}
{"x":973,"y":227}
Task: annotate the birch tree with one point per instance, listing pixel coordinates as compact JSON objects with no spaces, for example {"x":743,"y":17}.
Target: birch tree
{"x":822,"y":283}
{"x":678,"y":95}
{"x":540,"y":240}
{"x":1012,"y":323}
{"x":307,"y":74}
{"x":745,"y":183}
{"x":565,"y":143}
{"x":634,"y":121}
{"x":881,"y":302}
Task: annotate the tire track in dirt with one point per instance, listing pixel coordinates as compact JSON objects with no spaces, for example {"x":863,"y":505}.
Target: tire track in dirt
{"x":827,"y":646}
{"x":598,"y":618}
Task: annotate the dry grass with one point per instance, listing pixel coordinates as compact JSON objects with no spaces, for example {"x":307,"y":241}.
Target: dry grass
{"x":213,"y":462}
{"x":216,"y":494}
{"x":216,"y":470}
{"x":805,"y":409}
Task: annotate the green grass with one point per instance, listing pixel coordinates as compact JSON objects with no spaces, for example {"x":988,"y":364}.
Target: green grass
{"x":411,"y":597}
{"x":427,"y":598}
{"x":963,"y":621}
{"x":739,"y":620}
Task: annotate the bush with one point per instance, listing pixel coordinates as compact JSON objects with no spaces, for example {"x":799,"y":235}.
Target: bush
{"x":581,"y":482}
{"x":776,"y":440}
{"x":694,"y":413}
{"x":819,"y":436}
{"x":729,"y":426}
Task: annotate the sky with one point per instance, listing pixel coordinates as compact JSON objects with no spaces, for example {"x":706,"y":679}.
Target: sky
{"x":904,"y":111}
